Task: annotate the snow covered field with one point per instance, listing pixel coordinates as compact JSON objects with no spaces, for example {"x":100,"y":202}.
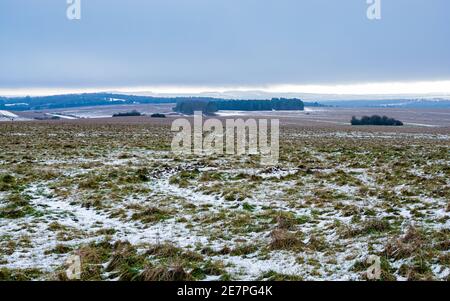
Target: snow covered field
{"x":116,"y":196}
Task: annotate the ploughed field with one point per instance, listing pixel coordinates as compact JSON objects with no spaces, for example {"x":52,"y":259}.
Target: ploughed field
{"x":113,"y":193}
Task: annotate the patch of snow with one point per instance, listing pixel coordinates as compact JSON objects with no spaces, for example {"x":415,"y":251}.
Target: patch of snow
{"x":8,"y":114}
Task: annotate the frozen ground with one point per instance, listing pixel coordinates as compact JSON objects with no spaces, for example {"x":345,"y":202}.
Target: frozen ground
{"x":335,"y":198}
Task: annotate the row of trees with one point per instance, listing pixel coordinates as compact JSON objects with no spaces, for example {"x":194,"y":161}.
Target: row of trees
{"x":136,"y":113}
{"x":76,"y":100}
{"x":126,"y":114}
{"x":277,"y":104}
{"x":208,"y":106}
{"x":376,"y":120}
{"x":188,"y":107}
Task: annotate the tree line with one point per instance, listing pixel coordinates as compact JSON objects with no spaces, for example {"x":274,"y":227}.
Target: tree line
{"x":208,"y":106}
{"x":274,"y":104}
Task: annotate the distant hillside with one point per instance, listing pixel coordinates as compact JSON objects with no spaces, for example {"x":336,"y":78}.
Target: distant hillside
{"x":102,"y":99}
{"x":392,"y":103}
{"x":75,"y":100}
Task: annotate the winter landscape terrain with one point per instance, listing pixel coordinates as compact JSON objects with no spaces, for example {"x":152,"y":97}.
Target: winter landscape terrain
{"x":92,"y":187}
{"x":112,"y":192}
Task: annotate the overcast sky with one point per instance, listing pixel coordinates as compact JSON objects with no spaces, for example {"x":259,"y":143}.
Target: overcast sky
{"x":221,"y":43}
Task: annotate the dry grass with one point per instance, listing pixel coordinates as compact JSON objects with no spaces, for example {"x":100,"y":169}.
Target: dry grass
{"x":284,"y":240}
{"x":176,"y":273}
{"x":337,"y":194}
{"x":406,"y":245}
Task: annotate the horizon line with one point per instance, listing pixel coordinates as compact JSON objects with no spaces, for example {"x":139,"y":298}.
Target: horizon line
{"x":358,"y":89}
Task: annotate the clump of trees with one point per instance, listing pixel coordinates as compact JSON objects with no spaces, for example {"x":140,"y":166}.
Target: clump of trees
{"x":376,"y":120}
{"x":126,"y":114}
{"x":47,"y":118}
{"x":158,"y":115}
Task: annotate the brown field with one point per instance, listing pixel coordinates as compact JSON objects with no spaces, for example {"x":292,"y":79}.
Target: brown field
{"x":309,"y":117}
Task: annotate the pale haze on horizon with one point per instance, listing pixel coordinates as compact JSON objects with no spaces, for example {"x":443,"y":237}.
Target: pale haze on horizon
{"x":196,"y":46}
